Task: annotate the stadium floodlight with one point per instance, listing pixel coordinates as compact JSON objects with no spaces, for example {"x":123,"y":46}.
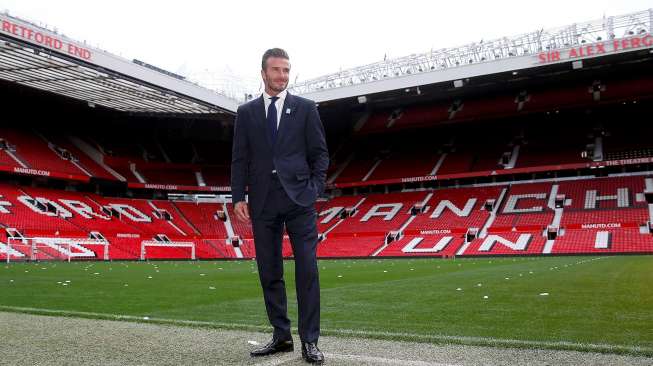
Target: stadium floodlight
{"x":577,"y":64}
{"x":362,"y":99}
{"x":458,"y":83}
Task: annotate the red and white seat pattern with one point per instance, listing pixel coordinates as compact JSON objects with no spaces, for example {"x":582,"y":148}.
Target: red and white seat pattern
{"x":612,"y":240}
{"x":441,"y":245}
{"x":379,"y":214}
{"x":125,"y":223}
{"x":456,"y":209}
{"x":602,"y":215}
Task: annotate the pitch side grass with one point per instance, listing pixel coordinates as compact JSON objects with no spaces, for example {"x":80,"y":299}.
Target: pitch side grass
{"x":585,"y":303}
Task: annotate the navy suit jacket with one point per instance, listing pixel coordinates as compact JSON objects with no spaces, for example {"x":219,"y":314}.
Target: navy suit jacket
{"x":299,"y":155}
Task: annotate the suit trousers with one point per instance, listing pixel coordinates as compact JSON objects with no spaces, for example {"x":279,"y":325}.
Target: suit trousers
{"x":301,"y":225}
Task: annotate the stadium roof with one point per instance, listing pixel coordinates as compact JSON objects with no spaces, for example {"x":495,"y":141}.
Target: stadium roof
{"x":37,"y":57}
{"x":33,"y":56}
{"x":540,"y":48}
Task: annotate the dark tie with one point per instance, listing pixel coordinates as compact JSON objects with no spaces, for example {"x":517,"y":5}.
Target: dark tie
{"x":272,"y":119}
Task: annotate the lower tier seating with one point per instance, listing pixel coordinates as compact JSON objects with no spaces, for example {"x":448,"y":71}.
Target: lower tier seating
{"x":600,"y":215}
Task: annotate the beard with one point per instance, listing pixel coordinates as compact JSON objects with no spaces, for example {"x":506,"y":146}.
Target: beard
{"x":278,"y":87}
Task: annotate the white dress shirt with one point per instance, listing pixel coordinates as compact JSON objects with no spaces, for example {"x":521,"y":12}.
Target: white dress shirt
{"x":278,"y":104}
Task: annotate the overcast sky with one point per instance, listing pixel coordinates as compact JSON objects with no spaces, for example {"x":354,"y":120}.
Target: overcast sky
{"x":220,"y":42}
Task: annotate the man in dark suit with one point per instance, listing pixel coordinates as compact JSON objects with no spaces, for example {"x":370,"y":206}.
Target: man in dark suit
{"x":280,"y":153}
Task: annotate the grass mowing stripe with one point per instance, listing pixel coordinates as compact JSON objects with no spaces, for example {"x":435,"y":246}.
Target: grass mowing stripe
{"x":394,"y":336}
{"x":132,"y":318}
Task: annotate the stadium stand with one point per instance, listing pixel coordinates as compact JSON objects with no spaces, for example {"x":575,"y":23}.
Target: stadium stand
{"x":35,"y":152}
{"x":507,"y":219}
{"x":545,"y":160}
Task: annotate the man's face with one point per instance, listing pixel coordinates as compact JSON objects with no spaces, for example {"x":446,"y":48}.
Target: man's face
{"x":276,"y":74}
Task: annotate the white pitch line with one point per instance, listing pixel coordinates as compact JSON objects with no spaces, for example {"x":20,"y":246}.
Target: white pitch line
{"x":353,"y":359}
{"x":383,"y":360}
{"x":279,"y":360}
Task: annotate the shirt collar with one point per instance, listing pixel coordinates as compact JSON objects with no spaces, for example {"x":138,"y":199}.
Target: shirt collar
{"x":282,"y":96}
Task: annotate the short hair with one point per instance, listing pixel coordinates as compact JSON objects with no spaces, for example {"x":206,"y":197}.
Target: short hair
{"x":273,"y":52}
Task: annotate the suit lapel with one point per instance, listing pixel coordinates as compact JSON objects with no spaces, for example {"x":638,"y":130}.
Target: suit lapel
{"x":259,"y":119}
{"x":287,"y":115}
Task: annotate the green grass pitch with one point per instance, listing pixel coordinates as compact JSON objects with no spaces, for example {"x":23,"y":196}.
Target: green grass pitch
{"x":585,"y":303}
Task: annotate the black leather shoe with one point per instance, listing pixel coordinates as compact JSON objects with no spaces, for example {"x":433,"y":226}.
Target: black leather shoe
{"x":312,"y":354}
{"x":274,"y":346}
